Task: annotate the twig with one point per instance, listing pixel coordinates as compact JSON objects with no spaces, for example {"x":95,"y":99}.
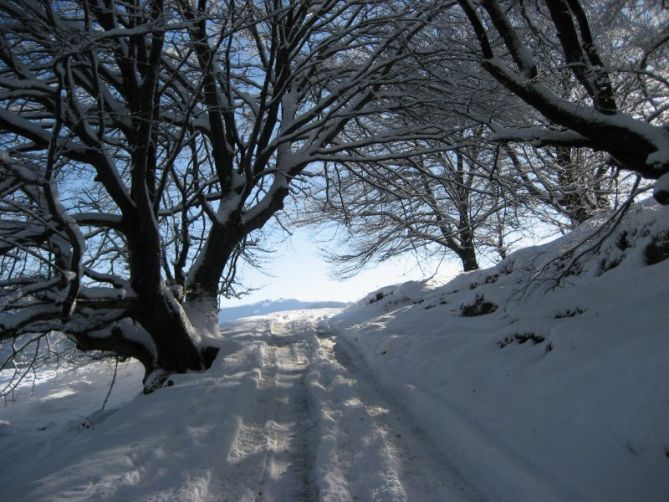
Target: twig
{"x":111,"y":386}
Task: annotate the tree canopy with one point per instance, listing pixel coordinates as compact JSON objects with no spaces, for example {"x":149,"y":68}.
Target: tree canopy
{"x":143,"y":143}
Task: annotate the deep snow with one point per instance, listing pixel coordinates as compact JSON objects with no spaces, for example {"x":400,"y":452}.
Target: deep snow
{"x":278,"y":417}
{"x":561,"y":392}
{"x":502,"y":384}
{"x":272,"y":306}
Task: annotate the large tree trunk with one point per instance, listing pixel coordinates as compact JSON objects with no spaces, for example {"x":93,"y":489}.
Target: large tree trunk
{"x":172,"y":333}
{"x":573,"y":199}
{"x":467,"y":252}
{"x":468,"y":257}
{"x":175,"y":340}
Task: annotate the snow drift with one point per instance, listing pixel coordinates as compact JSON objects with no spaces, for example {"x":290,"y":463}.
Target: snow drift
{"x":546,"y":375}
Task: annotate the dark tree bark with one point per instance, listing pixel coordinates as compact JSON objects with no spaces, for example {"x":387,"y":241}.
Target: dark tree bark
{"x":636,"y":144}
{"x":142,"y":143}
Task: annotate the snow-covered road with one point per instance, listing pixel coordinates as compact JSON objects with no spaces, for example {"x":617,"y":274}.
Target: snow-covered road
{"x":344,"y":438}
{"x":319,"y":428}
{"x":287,"y":413}
{"x":278,"y":426}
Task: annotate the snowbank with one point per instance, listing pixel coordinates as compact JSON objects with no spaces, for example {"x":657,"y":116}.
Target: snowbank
{"x":540,"y":389}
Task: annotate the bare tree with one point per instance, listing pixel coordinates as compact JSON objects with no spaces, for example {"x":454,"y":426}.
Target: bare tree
{"x":389,"y":207}
{"x":144,"y":142}
{"x":438,"y":200}
{"x":563,"y":186}
{"x":616,"y":106}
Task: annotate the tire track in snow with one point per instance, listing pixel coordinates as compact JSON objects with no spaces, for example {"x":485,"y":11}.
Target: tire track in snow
{"x":320,"y":428}
{"x":275,"y":433}
{"x":288,"y":471}
{"x":422,"y":471}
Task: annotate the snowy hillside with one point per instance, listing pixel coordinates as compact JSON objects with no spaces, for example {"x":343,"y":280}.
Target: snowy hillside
{"x":540,"y":389}
{"x":504,"y":384}
{"x":272,"y":306}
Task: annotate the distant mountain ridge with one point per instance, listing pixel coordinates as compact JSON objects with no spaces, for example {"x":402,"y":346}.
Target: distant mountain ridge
{"x":270,"y":306}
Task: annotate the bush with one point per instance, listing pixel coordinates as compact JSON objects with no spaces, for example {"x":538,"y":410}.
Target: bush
{"x":657,"y":250}
{"x":480,"y":307}
{"x":378,"y":297}
{"x":521,"y":338}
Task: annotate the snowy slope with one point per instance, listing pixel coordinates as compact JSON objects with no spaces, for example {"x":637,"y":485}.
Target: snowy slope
{"x":543,"y":391}
{"x":562,"y":391}
{"x":270,"y":307}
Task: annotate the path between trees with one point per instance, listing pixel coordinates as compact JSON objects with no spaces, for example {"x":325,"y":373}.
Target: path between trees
{"x":288,"y":412}
{"x":327,"y":431}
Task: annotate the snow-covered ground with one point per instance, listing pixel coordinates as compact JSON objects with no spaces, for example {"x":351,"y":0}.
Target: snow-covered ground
{"x":502,"y":384}
{"x":561,"y":393}
{"x":272,"y":306}
{"x":279,"y":417}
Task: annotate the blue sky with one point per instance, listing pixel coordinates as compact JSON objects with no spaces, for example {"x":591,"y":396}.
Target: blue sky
{"x":297,"y":270}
